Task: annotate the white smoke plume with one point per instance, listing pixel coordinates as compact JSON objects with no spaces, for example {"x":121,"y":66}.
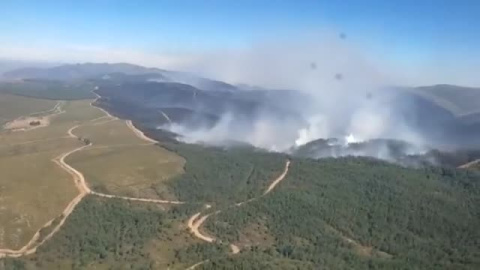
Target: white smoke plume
{"x":344,"y":88}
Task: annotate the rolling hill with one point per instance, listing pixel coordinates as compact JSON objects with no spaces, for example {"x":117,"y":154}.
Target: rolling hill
{"x":242,"y":207}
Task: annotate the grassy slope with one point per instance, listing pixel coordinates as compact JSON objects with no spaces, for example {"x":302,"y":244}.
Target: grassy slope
{"x":33,"y":188}
{"x":49,"y":89}
{"x":177,"y":248}
{"x":459,"y":100}
{"x":121,"y":163}
{"x":335,"y":214}
{"x":12,"y":106}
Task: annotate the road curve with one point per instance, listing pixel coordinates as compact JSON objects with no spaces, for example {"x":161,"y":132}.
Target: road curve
{"x":79,"y":180}
{"x":83,"y":189}
{"x":196,"y":221}
{"x":194,"y":224}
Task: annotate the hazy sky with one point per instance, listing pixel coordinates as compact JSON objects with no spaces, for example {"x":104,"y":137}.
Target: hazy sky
{"x":436,"y":41}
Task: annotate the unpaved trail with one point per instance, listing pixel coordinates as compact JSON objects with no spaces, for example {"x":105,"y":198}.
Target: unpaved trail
{"x":135,"y":199}
{"x":278,"y":180}
{"x":139,"y":133}
{"x":196,"y":265}
{"x":166,"y":116}
{"x":79,"y":181}
{"x":104,"y":111}
{"x":196,"y":221}
{"x":23,"y":123}
{"x":469,"y":164}
{"x":82,"y":186}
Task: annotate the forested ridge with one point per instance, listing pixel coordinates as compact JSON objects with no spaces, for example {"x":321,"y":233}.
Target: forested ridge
{"x":357,"y":213}
{"x":223,"y":176}
{"x":115,"y":234}
{"x":347,"y":213}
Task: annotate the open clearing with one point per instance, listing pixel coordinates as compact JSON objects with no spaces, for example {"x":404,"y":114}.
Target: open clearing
{"x":12,"y":107}
{"x":121,"y":163}
{"x":34,"y":189}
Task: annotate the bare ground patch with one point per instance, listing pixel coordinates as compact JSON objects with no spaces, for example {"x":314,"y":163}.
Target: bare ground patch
{"x":26,"y":123}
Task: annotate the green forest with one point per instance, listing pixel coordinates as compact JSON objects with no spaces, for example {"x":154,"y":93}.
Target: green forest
{"x":346,"y":213}
{"x":223,"y":176}
{"x":115,"y":234}
{"x":358,"y":213}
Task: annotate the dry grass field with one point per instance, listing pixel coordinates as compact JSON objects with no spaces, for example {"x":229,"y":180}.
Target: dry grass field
{"x":12,"y":107}
{"x":120,"y":163}
{"x":34,"y":189}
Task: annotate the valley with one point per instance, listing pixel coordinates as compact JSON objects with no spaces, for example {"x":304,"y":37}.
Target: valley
{"x":108,"y":185}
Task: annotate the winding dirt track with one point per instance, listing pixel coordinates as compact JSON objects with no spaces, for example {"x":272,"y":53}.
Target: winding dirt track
{"x":83,"y":189}
{"x":44,"y":120}
{"x":196,"y":221}
{"x":469,"y":164}
{"x":139,"y":133}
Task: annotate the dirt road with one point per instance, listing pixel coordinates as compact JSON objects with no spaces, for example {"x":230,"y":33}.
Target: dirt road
{"x":279,"y":179}
{"x":469,"y":164}
{"x":139,"y":133}
{"x":42,"y":119}
{"x":196,"y":221}
{"x":196,"y":265}
{"x":82,"y":187}
{"x":79,"y":181}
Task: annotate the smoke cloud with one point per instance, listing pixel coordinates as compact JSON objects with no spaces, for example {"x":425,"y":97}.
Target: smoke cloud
{"x":348,"y":98}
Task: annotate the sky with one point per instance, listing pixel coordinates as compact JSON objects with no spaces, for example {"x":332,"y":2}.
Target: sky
{"x":417,"y":41}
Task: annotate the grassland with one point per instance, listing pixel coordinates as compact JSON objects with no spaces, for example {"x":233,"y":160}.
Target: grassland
{"x":33,"y":189}
{"x":12,"y":106}
{"x":121,"y":163}
{"x":460,"y":101}
{"x":48,"y":89}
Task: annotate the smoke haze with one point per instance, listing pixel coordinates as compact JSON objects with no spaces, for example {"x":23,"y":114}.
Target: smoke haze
{"x":347,"y":97}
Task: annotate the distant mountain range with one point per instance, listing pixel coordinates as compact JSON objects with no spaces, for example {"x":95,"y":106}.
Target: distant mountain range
{"x":445,"y":114}
{"x":75,"y":72}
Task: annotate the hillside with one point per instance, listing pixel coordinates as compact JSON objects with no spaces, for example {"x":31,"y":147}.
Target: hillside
{"x":149,"y":201}
{"x":77,"y":71}
{"x":115,"y":72}
{"x":48,"y":89}
{"x":357,"y":213}
{"x":461,"y":101}
{"x":335,"y":213}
